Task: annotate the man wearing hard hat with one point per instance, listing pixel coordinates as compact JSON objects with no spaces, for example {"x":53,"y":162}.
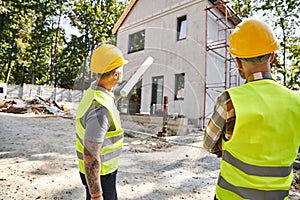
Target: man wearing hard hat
{"x":255,"y":126}
{"x":98,"y":127}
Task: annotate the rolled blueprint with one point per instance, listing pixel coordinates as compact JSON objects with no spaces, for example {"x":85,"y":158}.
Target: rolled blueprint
{"x":135,"y":78}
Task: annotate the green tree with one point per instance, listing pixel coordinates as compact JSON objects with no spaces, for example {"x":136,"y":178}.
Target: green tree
{"x":35,"y":48}
{"x":26,"y":41}
{"x":95,"y":20}
{"x":243,"y":7}
{"x":293,"y":75}
{"x":283,"y":16}
{"x":60,"y":9}
{"x":66,"y":71}
{"x":12,"y":27}
{"x":39,"y":51}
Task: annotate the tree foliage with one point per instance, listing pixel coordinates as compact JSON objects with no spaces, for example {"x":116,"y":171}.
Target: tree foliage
{"x":35,"y":47}
{"x":283,"y":16}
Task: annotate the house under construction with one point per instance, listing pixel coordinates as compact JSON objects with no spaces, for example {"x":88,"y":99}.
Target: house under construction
{"x":188,"y":40}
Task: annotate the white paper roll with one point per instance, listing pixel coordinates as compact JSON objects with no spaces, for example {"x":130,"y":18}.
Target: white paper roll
{"x":135,"y":78}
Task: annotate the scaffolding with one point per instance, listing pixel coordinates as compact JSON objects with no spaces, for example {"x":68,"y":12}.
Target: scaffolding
{"x":225,"y":19}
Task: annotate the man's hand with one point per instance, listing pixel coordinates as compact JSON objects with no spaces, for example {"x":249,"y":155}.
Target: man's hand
{"x":92,"y":163}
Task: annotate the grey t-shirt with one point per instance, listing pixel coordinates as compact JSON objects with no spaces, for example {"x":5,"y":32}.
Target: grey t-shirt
{"x":96,"y":122}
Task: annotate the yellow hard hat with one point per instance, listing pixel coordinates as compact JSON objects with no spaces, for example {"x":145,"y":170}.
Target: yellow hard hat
{"x":252,"y":38}
{"x":106,"y":58}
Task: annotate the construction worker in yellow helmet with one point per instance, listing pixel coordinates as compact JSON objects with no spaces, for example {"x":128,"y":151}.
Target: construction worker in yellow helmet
{"x":255,"y":126}
{"x":98,"y":127}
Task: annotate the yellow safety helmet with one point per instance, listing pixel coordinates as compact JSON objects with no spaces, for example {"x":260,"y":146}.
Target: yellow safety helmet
{"x":106,"y":58}
{"x":252,"y":38}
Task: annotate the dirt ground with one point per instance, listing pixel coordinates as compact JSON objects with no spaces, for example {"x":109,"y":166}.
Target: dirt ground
{"x":38,"y":161}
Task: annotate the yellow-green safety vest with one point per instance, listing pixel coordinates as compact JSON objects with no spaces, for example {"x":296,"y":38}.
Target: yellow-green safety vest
{"x":113,"y":142}
{"x":257,"y":162}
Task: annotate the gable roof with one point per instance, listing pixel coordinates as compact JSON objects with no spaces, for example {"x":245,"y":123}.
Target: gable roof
{"x":233,"y":16}
{"x":123,"y":16}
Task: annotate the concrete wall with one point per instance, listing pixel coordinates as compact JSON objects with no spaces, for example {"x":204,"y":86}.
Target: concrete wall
{"x":153,"y":124}
{"x":57,"y":94}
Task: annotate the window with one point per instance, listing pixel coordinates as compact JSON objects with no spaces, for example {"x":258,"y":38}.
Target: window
{"x":136,"y":41}
{"x":181,"y":28}
{"x":179,"y":86}
{"x":157,"y":95}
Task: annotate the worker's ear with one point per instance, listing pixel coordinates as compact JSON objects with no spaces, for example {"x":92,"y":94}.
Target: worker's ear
{"x":239,"y":63}
{"x":116,"y":75}
{"x":272,"y":57}
{"x":240,"y":68}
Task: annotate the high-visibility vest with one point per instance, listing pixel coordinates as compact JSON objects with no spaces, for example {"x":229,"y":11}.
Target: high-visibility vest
{"x":257,"y":162}
{"x":113,"y":142}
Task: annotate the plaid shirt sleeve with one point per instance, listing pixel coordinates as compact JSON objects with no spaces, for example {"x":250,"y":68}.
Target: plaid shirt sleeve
{"x":220,"y":125}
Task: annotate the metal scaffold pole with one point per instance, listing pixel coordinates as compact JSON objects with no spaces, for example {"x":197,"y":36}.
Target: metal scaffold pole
{"x":218,"y":46}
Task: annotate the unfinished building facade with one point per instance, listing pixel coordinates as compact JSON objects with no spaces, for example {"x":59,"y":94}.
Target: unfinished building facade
{"x":188,"y":40}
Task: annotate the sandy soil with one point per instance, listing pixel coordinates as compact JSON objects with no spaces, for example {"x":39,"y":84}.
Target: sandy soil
{"x":38,"y":161}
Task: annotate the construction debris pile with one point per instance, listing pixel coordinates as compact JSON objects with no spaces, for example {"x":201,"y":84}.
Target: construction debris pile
{"x":37,"y":105}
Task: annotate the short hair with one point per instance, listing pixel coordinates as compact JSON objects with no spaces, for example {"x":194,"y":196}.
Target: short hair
{"x":258,"y":58}
{"x":103,"y":75}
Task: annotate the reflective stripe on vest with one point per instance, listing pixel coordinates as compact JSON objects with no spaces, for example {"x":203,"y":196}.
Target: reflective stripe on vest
{"x":249,"y":193}
{"x":113,"y":142}
{"x":105,"y":156}
{"x":257,"y":160}
{"x":256,"y":170}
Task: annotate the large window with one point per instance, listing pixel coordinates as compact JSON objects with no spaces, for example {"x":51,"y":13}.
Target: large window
{"x":157,"y":95}
{"x":181,"y":28}
{"x":136,"y":41}
{"x":179,"y":86}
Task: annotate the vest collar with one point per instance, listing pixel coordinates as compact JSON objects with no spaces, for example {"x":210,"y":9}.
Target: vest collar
{"x":96,"y":87}
{"x":259,"y":76}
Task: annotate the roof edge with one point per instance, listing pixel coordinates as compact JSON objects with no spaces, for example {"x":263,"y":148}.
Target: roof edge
{"x":123,"y":16}
{"x":234,"y":17}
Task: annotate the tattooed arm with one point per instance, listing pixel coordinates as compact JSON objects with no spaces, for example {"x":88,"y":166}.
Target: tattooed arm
{"x":92,"y":164}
